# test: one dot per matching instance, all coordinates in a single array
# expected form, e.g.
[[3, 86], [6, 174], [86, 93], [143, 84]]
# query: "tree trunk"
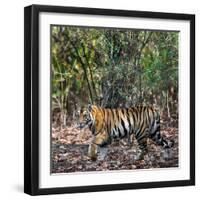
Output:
[[167, 104]]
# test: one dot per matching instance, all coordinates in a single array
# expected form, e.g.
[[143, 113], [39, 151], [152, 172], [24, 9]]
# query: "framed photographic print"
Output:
[[109, 99]]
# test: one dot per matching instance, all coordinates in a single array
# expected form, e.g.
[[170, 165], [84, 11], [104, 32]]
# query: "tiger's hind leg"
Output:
[[142, 141], [156, 136]]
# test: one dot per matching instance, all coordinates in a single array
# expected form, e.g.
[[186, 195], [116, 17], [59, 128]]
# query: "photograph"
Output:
[[114, 99]]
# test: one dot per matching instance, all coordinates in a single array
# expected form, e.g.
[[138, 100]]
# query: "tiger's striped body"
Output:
[[108, 124]]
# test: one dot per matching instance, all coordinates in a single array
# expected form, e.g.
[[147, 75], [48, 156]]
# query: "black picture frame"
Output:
[[31, 98]]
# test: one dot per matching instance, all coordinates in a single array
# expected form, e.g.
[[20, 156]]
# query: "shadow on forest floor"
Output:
[[70, 147]]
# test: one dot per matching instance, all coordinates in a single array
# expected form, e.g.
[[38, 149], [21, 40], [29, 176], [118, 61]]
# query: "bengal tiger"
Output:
[[108, 124]]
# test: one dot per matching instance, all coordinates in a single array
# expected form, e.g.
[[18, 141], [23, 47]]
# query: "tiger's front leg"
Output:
[[99, 140], [92, 151]]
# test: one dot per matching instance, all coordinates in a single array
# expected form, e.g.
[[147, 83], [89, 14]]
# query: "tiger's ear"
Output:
[[89, 107]]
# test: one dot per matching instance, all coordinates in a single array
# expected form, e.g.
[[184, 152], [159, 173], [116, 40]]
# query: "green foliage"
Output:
[[112, 67]]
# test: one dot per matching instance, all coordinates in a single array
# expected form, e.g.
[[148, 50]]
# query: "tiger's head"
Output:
[[85, 117], [92, 117]]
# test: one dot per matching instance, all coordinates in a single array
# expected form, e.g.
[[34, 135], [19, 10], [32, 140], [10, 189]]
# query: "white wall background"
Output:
[[11, 97]]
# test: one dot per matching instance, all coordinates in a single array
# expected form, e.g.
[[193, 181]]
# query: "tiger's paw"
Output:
[[94, 158], [171, 143]]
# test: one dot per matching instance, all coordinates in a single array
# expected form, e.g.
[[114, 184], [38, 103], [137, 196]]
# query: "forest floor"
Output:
[[70, 146]]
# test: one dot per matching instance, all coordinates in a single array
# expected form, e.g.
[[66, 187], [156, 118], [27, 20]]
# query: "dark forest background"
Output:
[[110, 68], [113, 68]]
